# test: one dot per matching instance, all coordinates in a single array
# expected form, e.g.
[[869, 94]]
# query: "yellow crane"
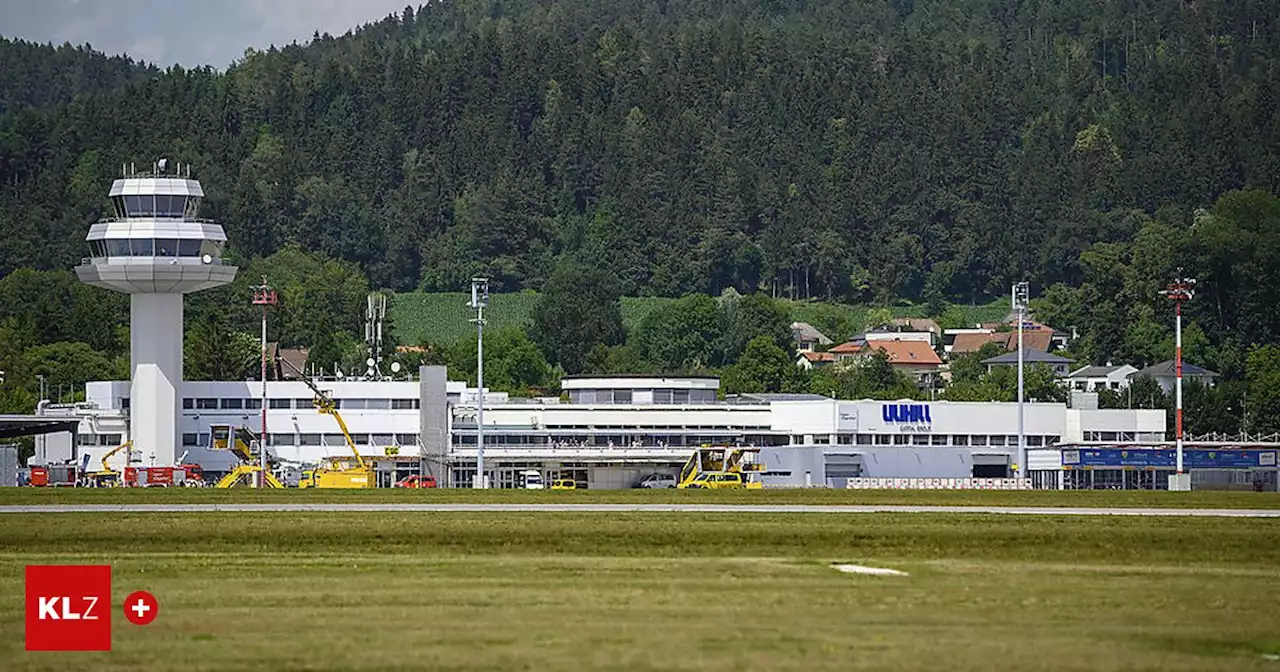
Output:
[[337, 472], [109, 476]]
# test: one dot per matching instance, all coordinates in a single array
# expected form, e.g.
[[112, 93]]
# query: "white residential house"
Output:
[[807, 337], [1095, 378], [808, 359], [1165, 374]]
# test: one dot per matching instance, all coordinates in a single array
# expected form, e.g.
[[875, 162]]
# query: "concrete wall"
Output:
[[433, 428], [882, 462], [624, 476], [8, 465], [56, 448]]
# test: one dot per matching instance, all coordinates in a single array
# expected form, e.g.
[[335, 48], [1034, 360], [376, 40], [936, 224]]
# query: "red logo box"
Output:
[[68, 608]]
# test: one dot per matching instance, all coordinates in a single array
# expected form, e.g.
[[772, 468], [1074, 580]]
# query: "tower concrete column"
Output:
[[156, 374]]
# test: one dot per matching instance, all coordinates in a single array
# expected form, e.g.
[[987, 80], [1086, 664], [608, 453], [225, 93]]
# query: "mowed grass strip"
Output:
[[1079, 498], [659, 592]]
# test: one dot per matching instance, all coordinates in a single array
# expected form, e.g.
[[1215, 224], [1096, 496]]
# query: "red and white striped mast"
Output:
[[1179, 291]]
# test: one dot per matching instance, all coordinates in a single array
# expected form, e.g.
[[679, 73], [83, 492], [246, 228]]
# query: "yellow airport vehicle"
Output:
[[564, 484], [715, 480], [247, 475], [722, 459], [240, 441], [336, 471], [109, 477]]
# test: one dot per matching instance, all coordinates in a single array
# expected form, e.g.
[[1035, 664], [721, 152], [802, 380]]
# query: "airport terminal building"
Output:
[[611, 431]]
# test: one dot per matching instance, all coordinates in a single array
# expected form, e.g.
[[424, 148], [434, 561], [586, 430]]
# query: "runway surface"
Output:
[[632, 508]]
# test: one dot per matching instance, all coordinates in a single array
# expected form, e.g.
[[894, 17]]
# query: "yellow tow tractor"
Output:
[[240, 440], [721, 467], [336, 471]]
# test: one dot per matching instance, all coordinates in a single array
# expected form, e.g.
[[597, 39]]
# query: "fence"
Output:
[[938, 484]]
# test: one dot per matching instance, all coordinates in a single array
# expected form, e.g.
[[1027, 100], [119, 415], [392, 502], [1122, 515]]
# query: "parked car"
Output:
[[531, 479], [716, 480], [658, 481], [564, 484], [427, 481]]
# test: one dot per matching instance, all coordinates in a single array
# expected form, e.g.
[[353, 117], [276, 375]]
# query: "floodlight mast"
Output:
[[1179, 291], [263, 295], [479, 301], [1020, 293]]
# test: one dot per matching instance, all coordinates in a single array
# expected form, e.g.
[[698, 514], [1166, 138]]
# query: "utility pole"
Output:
[[479, 300], [1020, 293], [265, 296], [1179, 291]]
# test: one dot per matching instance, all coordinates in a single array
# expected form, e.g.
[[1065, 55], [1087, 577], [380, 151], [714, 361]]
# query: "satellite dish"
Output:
[[369, 362], [395, 367], [208, 259]]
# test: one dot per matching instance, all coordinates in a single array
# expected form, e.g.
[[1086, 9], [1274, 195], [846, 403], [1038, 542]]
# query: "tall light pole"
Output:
[[1020, 293], [479, 300], [1179, 291], [263, 295]]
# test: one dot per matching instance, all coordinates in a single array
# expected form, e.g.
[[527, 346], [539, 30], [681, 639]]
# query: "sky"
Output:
[[188, 32]]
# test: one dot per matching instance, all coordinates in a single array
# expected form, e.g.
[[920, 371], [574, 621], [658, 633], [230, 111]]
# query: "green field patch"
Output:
[[638, 591], [443, 317]]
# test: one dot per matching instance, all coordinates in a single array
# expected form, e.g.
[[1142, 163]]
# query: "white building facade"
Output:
[[610, 431]]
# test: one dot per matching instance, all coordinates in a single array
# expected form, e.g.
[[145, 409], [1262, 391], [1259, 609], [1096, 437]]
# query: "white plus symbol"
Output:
[[141, 608]]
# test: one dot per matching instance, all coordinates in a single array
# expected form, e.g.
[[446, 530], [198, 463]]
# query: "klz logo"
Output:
[[68, 608]]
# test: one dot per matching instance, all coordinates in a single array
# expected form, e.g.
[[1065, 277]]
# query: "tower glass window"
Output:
[[141, 247], [166, 247]]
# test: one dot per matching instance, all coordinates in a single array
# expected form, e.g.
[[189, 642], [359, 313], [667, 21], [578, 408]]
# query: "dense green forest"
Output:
[[891, 153]]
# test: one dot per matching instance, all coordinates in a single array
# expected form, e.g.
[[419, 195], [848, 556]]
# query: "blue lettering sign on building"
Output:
[[916, 414]]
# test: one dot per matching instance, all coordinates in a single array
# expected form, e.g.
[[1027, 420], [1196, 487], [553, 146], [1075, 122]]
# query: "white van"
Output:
[[532, 480], [658, 481]]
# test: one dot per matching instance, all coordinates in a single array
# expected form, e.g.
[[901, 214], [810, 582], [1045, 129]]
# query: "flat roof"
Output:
[[13, 426], [636, 376]]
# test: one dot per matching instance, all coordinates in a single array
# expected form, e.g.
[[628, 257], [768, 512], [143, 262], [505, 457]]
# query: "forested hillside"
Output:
[[864, 150], [896, 153]]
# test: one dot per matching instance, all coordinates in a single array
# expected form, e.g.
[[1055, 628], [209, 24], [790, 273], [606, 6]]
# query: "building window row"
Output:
[[154, 247], [112, 440], [337, 440], [969, 440], [645, 428], [255, 403], [156, 205], [610, 396], [195, 439]]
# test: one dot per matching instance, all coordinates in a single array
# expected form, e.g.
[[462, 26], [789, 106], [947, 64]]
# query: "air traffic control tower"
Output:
[[155, 249]]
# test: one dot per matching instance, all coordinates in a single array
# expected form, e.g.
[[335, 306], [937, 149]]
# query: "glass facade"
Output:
[[154, 247], [156, 205]]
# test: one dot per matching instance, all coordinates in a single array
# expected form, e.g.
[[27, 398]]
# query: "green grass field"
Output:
[[506, 591], [443, 317], [1085, 498]]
